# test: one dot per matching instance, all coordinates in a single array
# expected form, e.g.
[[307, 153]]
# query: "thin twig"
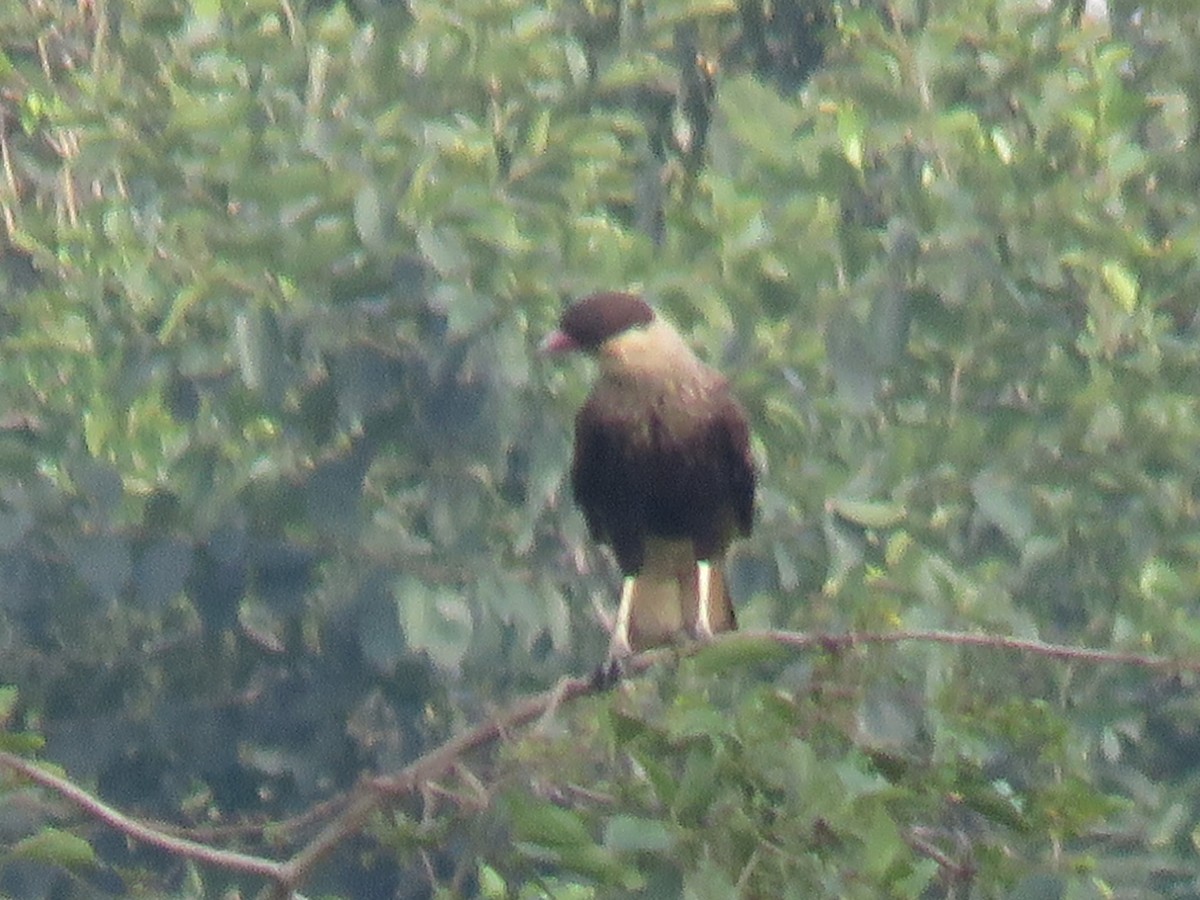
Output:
[[958, 872], [140, 831], [1030, 646]]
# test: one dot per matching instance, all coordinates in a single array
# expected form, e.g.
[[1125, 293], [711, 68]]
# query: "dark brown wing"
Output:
[[739, 463], [721, 475], [607, 482]]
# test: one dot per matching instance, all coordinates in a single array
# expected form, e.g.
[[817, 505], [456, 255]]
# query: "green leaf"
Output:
[[436, 618], [1159, 582], [596, 862], [369, 219], [23, 743], [758, 117], [491, 883], [698, 786], [996, 801], [262, 624], [54, 847], [882, 843], [695, 720], [709, 881], [547, 825], [443, 250], [850, 130], [846, 548], [855, 373], [628, 728], [8, 701], [1121, 283], [632, 834], [692, 10], [466, 310], [734, 651], [1005, 503], [1105, 429], [868, 513]]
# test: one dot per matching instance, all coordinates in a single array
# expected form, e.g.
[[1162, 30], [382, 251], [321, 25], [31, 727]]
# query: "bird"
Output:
[[662, 469]]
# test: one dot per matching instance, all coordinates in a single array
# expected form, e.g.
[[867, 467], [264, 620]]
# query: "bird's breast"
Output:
[[659, 416]]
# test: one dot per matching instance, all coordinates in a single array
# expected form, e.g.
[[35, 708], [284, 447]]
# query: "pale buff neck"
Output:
[[655, 353]]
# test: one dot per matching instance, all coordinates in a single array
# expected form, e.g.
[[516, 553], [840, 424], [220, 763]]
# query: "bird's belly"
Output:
[[668, 557], [684, 508]]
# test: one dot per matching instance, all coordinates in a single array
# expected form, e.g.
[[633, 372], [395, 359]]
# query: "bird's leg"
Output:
[[610, 671], [704, 626], [620, 644]]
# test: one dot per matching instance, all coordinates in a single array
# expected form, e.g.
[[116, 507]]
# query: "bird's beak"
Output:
[[557, 342]]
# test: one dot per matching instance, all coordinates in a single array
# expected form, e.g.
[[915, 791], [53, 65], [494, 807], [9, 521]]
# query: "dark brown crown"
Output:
[[594, 319]]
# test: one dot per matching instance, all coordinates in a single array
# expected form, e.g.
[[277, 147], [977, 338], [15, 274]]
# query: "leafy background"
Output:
[[282, 496]]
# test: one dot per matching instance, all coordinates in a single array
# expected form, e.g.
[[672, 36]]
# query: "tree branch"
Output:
[[372, 793], [139, 831], [1029, 646]]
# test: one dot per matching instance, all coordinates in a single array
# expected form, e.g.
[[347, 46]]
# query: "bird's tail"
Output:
[[674, 595]]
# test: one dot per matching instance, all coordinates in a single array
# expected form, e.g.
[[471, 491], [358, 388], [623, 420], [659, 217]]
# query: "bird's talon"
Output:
[[608, 673]]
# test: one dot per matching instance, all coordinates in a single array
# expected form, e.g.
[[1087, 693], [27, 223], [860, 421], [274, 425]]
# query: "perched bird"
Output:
[[662, 469]]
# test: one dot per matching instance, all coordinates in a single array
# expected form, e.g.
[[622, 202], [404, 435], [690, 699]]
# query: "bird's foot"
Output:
[[608, 673]]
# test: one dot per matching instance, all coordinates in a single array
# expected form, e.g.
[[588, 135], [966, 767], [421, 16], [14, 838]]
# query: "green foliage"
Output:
[[55, 847], [283, 492]]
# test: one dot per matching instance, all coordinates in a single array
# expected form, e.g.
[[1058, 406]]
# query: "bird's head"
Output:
[[597, 322], [624, 335]]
